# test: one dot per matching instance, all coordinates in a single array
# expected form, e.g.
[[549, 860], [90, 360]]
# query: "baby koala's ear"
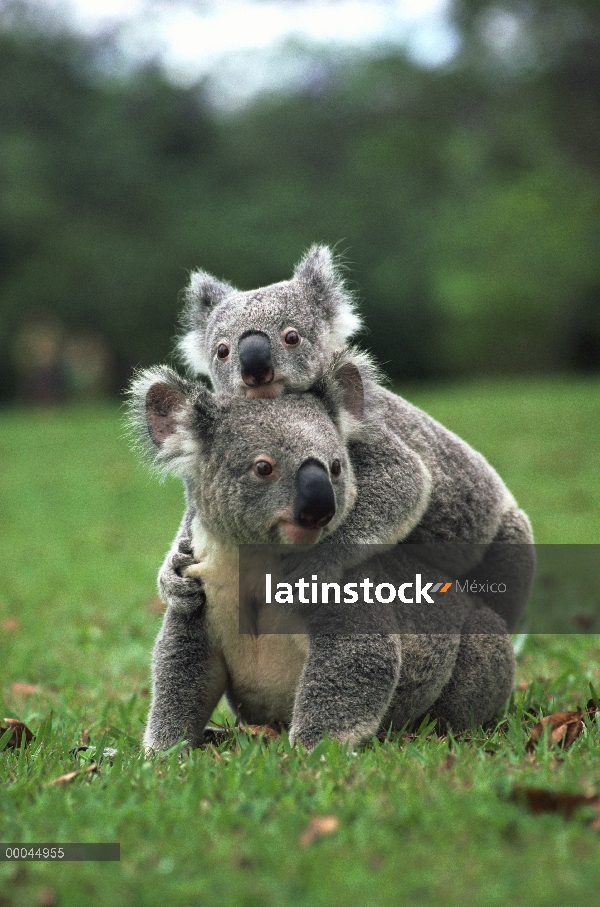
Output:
[[203, 293], [341, 391], [167, 415], [319, 276]]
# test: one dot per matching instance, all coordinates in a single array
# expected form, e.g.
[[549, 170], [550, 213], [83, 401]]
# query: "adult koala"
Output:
[[265, 471], [417, 482]]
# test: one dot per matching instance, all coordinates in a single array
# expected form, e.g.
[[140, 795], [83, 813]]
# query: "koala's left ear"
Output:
[[349, 381], [341, 391], [318, 273], [163, 402], [166, 413], [202, 295]]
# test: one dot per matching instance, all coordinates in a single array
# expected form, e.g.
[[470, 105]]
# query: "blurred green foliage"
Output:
[[466, 199]]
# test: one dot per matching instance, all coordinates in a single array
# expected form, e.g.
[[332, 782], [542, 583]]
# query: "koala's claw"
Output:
[[179, 561]]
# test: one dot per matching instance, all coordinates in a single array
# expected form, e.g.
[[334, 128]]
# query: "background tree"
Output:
[[464, 198]]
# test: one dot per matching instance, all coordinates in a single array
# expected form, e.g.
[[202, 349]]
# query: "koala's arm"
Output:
[[393, 487], [188, 679], [178, 590], [345, 689]]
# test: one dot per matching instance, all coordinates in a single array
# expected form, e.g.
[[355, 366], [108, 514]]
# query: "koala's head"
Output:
[[280, 337], [259, 471]]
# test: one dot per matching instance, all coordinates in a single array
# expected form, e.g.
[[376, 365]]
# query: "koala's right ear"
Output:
[[203, 293], [169, 418], [319, 274]]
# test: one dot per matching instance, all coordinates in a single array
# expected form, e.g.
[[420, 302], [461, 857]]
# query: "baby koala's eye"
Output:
[[222, 351], [263, 468], [336, 468], [291, 338]]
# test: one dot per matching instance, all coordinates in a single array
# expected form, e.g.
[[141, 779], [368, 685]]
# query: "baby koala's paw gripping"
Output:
[[179, 589]]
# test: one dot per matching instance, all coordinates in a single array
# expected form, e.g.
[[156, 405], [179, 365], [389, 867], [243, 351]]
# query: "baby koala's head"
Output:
[[258, 471], [261, 342]]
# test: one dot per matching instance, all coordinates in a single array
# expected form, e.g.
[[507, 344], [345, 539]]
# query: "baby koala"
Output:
[[416, 481], [278, 470]]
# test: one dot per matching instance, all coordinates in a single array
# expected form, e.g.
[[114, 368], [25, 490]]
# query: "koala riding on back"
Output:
[[416, 481]]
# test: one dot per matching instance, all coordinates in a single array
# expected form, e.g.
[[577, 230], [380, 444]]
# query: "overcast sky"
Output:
[[241, 38]]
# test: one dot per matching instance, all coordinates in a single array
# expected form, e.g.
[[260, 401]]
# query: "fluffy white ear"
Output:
[[319, 273], [202, 294], [168, 416]]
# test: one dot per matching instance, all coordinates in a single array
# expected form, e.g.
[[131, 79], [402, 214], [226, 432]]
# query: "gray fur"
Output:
[[315, 302], [179, 591], [416, 481], [348, 687]]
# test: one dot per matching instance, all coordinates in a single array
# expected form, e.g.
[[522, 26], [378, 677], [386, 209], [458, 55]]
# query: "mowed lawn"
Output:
[[414, 820]]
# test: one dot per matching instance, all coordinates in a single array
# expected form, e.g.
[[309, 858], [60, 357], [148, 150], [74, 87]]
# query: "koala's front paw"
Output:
[[177, 588], [307, 741], [309, 738]]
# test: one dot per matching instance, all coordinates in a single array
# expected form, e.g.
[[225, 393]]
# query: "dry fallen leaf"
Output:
[[19, 730], [540, 800], [47, 897], [62, 779], [565, 727], [10, 625], [257, 729], [318, 827], [448, 763], [156, 605], [23, 689], [215, 752]]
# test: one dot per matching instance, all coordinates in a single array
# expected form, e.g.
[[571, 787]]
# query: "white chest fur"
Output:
[[263, 670]]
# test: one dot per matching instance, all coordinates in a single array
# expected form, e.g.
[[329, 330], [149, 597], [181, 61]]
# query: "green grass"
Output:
[[81, 543]]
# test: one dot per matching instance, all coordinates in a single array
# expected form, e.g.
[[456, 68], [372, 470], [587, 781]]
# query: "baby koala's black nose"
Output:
[[255, 359], [314, 506]]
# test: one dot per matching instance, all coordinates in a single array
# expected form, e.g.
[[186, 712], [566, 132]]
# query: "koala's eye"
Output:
[[263, 468], [291, 338], [222, 351], [336, 468]]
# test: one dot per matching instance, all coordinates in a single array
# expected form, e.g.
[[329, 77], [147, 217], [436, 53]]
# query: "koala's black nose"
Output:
[[314, 506], [255, 359]]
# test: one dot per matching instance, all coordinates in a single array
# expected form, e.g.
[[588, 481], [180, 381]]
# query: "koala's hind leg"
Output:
[[428, 660], [483, 675], [509, 559], [345, 689], [188, 679]]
